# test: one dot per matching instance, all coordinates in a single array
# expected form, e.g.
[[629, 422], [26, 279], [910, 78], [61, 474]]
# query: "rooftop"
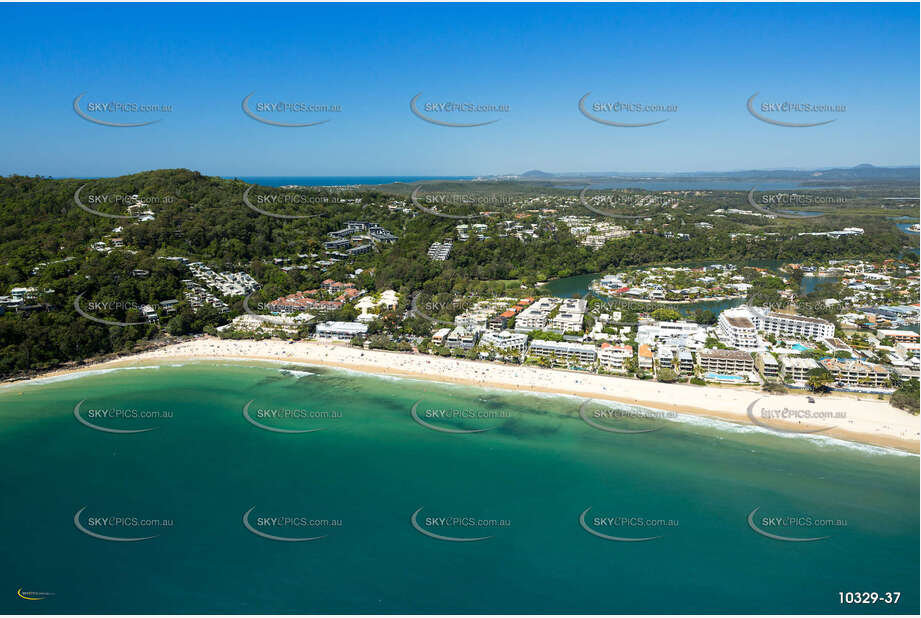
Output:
[[736, 355], [798, 318], [740, 322]]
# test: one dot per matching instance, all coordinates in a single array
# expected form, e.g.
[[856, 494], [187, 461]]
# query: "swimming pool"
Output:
[[724, 378]]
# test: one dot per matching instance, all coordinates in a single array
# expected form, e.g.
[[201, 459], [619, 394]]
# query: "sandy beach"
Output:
[[868, 421]]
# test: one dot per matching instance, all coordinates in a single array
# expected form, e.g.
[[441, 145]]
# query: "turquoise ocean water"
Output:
[[523, 483]]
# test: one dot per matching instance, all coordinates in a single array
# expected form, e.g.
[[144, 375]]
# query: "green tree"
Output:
[[819, 378], [667, 375], [906, 396], [666, 315]]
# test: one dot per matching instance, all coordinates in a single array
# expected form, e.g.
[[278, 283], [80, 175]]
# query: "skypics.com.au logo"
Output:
[[118, 419], [282, 419], [287, 528], [767, 111], [271, 112], [121, 307], [285, 198], [628, 528], [621, 418], [138, 205], [603, 112], [439, 418], [456, 110], [455, 524], [621, 205], [113, 109], [794, 526], [433, 202], [117, 527]]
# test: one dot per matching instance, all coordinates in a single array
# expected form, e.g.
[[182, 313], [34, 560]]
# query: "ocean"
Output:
[[375, 481]]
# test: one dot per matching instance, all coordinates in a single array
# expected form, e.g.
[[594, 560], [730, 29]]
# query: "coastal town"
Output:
[[869, 346], [438, 274]]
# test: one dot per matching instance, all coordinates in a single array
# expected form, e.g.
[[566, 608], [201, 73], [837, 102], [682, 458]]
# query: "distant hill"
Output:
[[862, 174]]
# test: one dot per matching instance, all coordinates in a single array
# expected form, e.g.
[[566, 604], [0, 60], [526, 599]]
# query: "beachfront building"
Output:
[[536, 316], [248, 323], [461, 338], [613, 357], [665, 355], [685, 362], [341, 331], [795, 370], [767, 365], [856, 373], [563, 351], [440, 335], [506, 342], [738, 330], [788, 325], [645, 357], [725, 365]]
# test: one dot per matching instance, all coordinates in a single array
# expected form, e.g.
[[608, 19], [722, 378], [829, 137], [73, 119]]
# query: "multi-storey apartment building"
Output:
[[644, 357], [786, 325], [564, 351], [906, 336], [665, 356], [506, 341], [440, 251], [613, 357], [767, 365], [856, 373], [685, 362], [737, 329], [570, 316], [725, 362], [462, 338], [535, 317], [795, 370], [341, 331]]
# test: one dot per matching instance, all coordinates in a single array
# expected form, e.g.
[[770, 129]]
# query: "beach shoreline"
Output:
[[851, 419]]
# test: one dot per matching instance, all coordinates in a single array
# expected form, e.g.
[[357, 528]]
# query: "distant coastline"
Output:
[[338, 181]]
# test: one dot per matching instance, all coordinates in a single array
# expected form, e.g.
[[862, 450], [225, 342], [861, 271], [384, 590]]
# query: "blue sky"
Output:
[[538, 59]]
